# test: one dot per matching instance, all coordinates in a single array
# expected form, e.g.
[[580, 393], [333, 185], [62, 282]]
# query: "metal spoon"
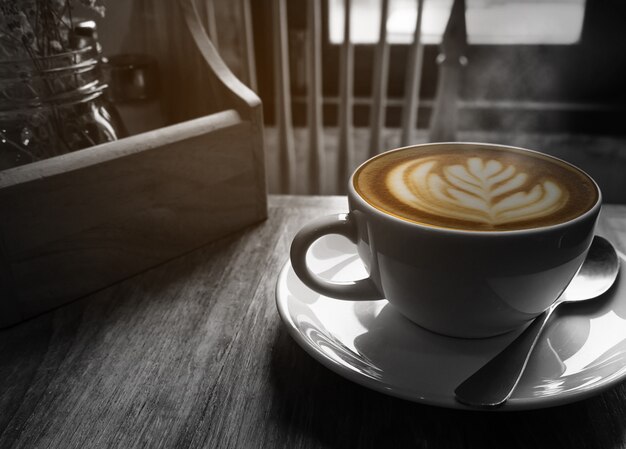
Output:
[[493, 384]]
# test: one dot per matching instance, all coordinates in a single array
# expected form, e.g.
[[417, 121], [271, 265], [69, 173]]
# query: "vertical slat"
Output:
[[212, 22], [248, 43], [314, 94], [346, 80], [282, 88], [413, 80], [379, 83]]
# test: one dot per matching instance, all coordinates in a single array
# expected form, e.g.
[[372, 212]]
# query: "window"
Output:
[[499, 22]]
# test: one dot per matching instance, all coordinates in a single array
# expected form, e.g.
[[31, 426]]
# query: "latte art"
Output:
[[475, 187], [483, 191]]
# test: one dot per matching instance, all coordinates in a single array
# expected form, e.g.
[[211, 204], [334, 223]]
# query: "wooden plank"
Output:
[[413, 80], [316, 171], [379, 83], [282, 88], [79, 222], [244, 99], [193, 354], [108, 152], [160, 29], [346, 92], [66, 216], [232, 90], [248, 44], [163, 32]]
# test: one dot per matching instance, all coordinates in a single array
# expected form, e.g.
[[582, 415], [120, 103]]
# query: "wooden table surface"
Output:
[[194, 354]]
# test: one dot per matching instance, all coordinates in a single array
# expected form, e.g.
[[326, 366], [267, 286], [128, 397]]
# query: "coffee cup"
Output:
[[464, 239]]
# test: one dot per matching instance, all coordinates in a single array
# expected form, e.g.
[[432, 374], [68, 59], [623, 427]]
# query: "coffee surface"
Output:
[[475, 188]]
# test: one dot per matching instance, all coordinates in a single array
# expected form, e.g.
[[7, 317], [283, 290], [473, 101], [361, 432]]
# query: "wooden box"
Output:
[[76, 223]]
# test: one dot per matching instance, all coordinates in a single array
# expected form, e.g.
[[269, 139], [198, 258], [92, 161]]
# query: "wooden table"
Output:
[[194, 354]]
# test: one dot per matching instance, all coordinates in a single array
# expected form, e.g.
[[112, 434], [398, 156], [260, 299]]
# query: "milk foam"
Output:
[[482, 191]]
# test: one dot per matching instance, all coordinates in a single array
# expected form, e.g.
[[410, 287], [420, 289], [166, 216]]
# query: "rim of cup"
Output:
[[440, 229]]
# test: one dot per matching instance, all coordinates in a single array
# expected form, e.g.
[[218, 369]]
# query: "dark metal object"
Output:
[[494, 383], [132, 77], [452, 59]]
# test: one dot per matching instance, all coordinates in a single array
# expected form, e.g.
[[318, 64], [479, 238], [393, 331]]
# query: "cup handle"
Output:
[[342, 224]]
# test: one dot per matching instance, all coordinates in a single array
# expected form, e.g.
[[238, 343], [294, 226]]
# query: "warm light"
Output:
[[488, 21]]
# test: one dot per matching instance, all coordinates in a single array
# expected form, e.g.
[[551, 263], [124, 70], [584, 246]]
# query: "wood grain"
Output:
[[159, 29], [192, 354], [171, 31], [231, 91], [77, 223]]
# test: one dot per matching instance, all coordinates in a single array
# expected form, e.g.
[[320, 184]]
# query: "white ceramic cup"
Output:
[[454, 282]]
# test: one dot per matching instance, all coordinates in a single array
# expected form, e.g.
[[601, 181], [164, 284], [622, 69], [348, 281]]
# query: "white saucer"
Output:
[[582, 352]]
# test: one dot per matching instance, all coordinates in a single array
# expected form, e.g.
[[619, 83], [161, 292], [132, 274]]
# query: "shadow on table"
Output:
[[32, 352], [318, 406]]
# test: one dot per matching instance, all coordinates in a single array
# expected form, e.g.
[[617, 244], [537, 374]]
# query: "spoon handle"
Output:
[[493, 384]]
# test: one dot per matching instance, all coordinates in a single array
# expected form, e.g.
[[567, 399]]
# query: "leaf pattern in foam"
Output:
[[479, 191]]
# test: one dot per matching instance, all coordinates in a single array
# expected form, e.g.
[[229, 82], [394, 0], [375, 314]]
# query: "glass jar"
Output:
[[53, 105]]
